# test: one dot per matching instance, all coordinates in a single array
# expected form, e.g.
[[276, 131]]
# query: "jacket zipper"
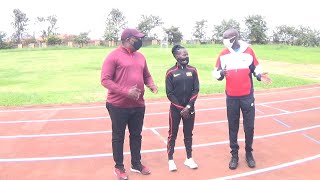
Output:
[[184, 85]]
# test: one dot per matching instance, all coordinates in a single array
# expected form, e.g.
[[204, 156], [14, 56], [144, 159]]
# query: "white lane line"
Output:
[[281, 122], [157, 127], [151, 103], [55, 134], [159, 135], [144, 151], [282, 110], [259, 111], [271, 168], [147, 114], [311, 138], [289, 100], [54, 120]]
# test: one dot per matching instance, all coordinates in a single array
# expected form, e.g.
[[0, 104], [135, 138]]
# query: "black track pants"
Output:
[[247, 107], [188, 124], [121, 117]]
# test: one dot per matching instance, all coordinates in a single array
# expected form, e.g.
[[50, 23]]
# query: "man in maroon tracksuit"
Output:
[[182, 88], [124, 73], [237, 63]]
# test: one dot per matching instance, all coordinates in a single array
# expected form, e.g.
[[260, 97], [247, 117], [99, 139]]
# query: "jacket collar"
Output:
[[126, 50], [180, 66]]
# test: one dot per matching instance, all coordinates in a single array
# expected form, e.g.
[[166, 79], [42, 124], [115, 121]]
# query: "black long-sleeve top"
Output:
[[182, 85]]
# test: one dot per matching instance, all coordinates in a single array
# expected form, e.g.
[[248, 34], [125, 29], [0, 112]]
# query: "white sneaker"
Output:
[[172, 165], [190, 163]]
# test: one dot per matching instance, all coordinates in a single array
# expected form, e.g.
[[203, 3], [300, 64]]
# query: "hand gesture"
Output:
[[224, 71], [265, 79], [185, 113], [134, 93], [153, 88]]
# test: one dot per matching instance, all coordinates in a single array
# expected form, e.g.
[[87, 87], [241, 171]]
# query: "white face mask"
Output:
[[227, 43]]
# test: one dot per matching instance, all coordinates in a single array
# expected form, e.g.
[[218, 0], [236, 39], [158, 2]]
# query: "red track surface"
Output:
[[74, 141]]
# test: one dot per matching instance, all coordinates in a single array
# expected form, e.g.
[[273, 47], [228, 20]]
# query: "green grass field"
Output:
[[63, 75]]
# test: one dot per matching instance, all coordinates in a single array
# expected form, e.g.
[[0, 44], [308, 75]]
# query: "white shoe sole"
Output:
[[195, 167], [117, 176], [133, 170], [191, 167], [173, 169]]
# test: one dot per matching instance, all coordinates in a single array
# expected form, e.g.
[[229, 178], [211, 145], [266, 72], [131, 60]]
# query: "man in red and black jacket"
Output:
[[124, 73], [182, 88], [237, 63]]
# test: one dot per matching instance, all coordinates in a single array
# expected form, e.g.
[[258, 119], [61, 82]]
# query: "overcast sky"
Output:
[[75, 16]]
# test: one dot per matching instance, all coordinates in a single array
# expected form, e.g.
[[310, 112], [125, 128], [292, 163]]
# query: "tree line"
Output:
[[255, 31]]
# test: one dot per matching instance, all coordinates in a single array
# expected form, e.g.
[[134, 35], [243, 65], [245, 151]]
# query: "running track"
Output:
[[74, 141]]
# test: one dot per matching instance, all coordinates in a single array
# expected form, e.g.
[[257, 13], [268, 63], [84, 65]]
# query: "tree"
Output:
[[115, 22], [82, 38], [256, 29], [174, 35], [148, 23], [284, 34], [199, 31], [19, 24], [218, 30], [68, 38], [307, 37], [54, 40], [48, 25], [2, 36], [29, 39], [2, 43]]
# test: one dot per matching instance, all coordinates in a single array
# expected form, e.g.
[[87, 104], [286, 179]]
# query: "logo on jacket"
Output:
[[189, 73], [175, 75]]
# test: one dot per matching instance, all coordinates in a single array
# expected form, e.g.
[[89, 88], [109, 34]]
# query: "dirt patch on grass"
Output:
[[305, 71]]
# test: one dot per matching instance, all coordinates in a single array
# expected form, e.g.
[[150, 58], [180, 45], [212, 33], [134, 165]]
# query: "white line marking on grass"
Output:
[[274, 108], [143, 151], [157, 127], [271, 168], [311, 138], [151, 103], [147, 114]]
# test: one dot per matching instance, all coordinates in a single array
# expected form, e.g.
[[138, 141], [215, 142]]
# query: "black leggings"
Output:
[[247, 107], [120, 118], [188, 124]]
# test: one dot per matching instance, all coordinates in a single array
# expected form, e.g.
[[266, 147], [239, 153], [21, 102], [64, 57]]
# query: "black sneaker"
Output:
[[141, 169], [250, 160], [233, 164]]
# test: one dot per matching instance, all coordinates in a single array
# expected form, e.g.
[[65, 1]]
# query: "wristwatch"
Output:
[[188, 106]]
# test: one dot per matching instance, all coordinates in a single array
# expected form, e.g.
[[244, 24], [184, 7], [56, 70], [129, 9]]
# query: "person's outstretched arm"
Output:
[[257, 70]]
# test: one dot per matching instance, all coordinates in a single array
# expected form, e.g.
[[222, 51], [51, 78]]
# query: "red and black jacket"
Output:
[[182, 85], [241, 65]]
